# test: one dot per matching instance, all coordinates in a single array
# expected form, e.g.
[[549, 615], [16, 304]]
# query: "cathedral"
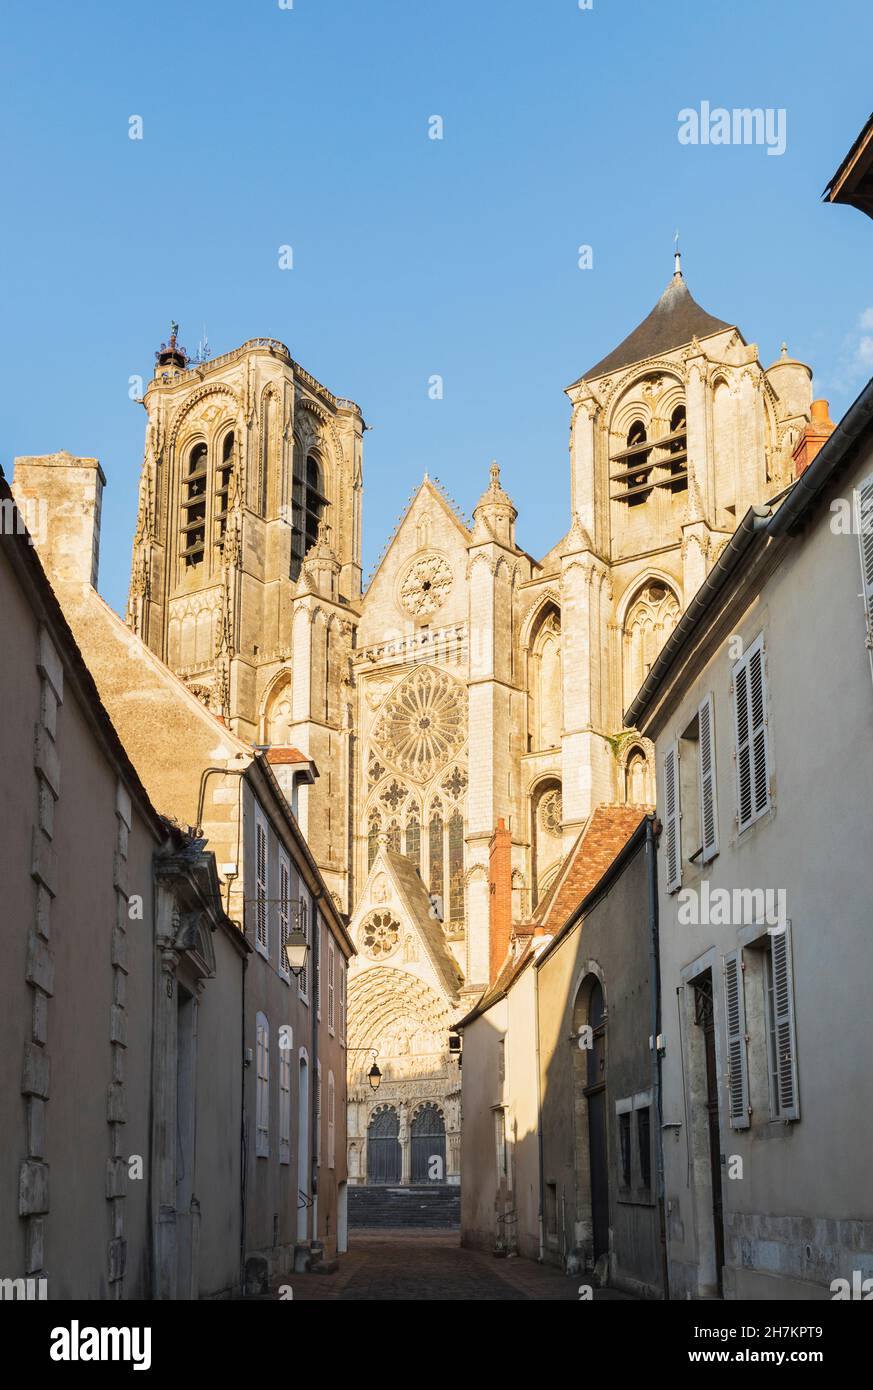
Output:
[[469, 682]]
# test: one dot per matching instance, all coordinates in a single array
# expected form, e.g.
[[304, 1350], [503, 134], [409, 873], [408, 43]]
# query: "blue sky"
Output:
[[307, 127]]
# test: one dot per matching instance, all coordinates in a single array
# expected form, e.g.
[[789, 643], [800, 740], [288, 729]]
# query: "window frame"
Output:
[[286, 1054], [741, 678], [262, 885], [262, 1092]]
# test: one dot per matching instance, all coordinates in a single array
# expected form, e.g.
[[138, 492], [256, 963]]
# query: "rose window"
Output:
[[380, 935], [552, 813], [423, 724], [426, 585]]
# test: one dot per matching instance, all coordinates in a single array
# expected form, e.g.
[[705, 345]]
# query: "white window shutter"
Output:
[[738, 1062], [672, 816], [783, 1018], [708, 808], [752, 735], [864, 516]]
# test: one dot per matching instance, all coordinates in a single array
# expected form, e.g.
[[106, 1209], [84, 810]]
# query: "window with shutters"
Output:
[[284, 912], [864, 523], [752, 751], [707, 788], [341, 1010], [262, 1108], [624, 1148], [318, 1114], [737, 1040], [331, 1121], [262, 941], [781, 1042], [286, 1045], [672, 835], [331, 985]]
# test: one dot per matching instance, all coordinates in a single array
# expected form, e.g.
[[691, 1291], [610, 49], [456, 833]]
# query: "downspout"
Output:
[[153, 1273], [315, 1004], [655, 1013], [243, 1166], [540, 1227]]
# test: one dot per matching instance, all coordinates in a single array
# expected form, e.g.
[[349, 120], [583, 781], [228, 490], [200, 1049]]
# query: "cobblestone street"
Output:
[[430, 1265]]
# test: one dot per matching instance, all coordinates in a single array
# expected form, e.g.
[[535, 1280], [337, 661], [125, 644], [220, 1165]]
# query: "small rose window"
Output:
[[380, 935]]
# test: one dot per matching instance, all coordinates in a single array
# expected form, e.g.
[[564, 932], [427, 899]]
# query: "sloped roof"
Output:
[[416, 900], [674, 321], [608, 829]]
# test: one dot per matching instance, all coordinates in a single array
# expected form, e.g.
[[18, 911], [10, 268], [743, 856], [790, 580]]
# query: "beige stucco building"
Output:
[[469, 681], [761, 708]]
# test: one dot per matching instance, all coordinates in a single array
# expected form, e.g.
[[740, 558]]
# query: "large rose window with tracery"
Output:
[[379, 935], [426, 585], [423, 724]]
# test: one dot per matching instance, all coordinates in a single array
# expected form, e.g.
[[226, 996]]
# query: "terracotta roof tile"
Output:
[[608, 830]]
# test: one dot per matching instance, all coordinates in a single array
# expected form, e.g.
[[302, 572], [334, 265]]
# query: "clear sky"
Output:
[[308, 127]]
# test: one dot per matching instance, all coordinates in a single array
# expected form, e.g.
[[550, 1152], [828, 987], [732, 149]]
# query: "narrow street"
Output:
[[429, 1265]]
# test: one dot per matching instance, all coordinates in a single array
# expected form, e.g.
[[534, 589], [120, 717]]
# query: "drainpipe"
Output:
[[314, 1005], [243, 1174], [655, 1013], [540, 1227]]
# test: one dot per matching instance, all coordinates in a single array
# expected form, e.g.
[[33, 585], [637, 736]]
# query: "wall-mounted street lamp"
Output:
[[374, 1076], [296, 951]]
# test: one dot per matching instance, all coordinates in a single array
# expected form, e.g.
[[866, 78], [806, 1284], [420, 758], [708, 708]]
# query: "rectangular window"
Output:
[[864, 523], [262, 941], [624, 1147], [751, 727], [500, 1139], [342, 999], [285, 1052], [706, 777], [284, 909], [644, 1144], [552, 1210], [781, 1042], [262, 1051], [737, 1040], [331, 984], [672, 812], [331, 1121]]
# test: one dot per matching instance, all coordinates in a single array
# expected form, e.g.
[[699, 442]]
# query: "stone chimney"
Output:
[[61, 497], [813, 437], [500, 900]]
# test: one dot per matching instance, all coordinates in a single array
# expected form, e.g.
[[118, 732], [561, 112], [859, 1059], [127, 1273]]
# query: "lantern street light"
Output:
[[296, 950], [374, 1076]]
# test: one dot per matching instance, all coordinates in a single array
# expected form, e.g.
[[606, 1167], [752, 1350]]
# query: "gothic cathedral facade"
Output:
[[469, 681]]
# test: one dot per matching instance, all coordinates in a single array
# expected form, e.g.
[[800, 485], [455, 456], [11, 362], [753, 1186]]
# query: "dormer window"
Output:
[[222, 488], [194, 507]]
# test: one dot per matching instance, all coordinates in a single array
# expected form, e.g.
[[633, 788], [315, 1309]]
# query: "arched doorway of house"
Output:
[[383, 1147], [428, 1133]]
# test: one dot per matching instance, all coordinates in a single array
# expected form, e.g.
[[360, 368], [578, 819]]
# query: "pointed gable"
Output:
[[606, 832], [674, 321]]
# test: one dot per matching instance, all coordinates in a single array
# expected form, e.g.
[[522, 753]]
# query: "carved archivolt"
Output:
[[219, 388]]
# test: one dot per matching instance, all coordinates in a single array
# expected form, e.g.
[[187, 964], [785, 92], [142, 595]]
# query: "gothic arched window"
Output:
[[194, 506], [547, 817], [436, 852], [266, 447], [413, 839], [677, 448], [394, 837], [308, 504], [456, 866], [631, 467], [544, 667], [373, 831], [637, 780], [222, 487], [649, 621]]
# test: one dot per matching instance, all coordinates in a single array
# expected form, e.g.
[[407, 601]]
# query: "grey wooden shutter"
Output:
[[737, 1057], [783, 1022], [708, 808], [261, 876], [672, 813], [864, 513]]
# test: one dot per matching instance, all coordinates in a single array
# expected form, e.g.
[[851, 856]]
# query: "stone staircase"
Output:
[[437, 1207]]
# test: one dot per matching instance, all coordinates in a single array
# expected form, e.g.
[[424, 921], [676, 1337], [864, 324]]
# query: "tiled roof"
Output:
[[286, 755], [607, 831]]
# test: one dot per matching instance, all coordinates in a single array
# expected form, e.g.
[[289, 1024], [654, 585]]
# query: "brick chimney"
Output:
[[813, 437], [500, 900], [60, 497]]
